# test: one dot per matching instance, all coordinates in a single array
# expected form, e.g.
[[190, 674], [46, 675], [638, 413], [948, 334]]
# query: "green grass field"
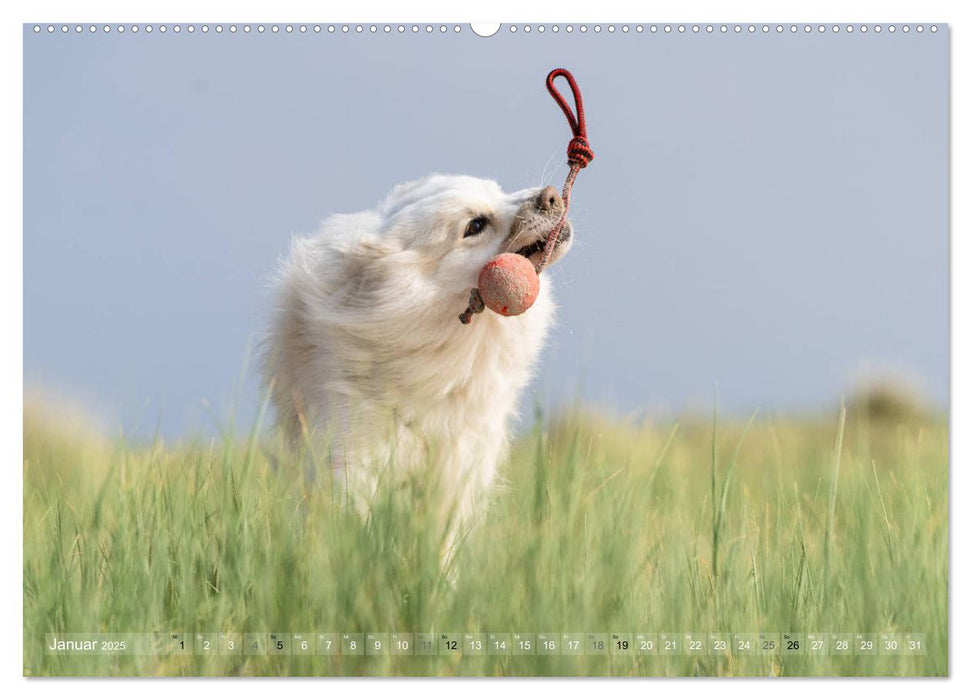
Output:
[[784, 525]]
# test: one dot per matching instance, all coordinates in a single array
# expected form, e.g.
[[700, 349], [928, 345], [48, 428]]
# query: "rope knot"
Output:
[[579, 152]]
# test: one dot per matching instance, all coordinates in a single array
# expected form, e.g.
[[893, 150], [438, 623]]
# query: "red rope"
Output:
[[578, 153]]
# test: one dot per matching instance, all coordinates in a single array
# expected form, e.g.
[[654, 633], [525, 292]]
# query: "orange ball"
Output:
[[508, 284]]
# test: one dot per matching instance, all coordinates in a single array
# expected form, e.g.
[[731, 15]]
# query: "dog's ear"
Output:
[[374, 247], [365, 272], [359, 237], [402, 195]]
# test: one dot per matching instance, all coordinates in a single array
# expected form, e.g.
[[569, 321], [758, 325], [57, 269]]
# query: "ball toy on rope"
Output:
[[509, 283]]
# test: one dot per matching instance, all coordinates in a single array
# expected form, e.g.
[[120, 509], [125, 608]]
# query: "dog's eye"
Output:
[[476, 226]]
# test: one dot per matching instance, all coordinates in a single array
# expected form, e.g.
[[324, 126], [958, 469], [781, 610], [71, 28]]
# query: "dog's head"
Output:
[[461, 219], [450, 226], [418, 254]]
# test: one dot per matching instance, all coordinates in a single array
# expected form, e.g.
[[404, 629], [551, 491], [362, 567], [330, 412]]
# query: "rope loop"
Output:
[[579, 151]]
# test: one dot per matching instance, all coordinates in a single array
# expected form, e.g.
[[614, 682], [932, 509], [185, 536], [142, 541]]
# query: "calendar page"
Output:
[[547, 349]]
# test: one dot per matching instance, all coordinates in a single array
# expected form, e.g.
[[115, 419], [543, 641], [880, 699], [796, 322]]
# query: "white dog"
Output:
[[367, 351]]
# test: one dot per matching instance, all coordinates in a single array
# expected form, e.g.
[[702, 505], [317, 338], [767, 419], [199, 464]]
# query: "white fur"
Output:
[[366, 347]]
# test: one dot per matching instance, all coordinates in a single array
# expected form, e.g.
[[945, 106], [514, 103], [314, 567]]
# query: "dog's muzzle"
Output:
[[534, 222]]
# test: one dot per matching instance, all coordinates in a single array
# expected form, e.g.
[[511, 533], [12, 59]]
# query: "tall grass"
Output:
[[600, 526]]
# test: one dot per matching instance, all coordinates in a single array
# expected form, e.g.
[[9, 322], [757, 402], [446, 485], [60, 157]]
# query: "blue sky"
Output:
[[766, 213]]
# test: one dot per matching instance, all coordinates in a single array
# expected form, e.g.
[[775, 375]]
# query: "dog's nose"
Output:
[[549, 200]]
